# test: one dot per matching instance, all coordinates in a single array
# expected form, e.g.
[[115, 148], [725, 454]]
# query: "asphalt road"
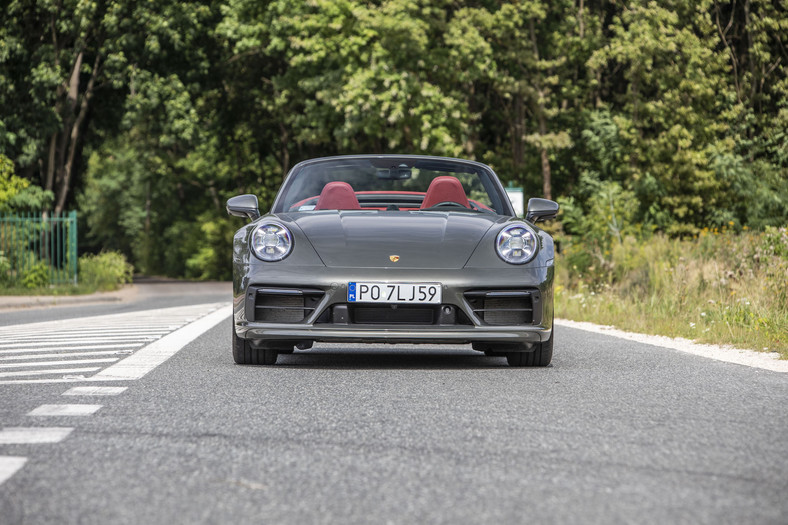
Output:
[[612, 432]]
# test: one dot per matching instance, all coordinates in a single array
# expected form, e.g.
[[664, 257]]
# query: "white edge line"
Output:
[[156, 353], [765, 360]]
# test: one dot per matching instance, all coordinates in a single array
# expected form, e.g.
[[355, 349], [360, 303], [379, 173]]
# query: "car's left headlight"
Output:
[[517, 244], [272, 242]]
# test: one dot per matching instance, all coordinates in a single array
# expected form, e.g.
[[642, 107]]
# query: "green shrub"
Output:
[[105, 271], [37, 276], [5, 270]]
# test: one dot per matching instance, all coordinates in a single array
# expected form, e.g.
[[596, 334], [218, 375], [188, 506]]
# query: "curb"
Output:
[[17, 302]]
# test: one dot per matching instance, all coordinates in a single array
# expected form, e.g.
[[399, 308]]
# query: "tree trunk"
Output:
[[50, 180], [547, 189], [73, 136], [285, 137], [518, 134]]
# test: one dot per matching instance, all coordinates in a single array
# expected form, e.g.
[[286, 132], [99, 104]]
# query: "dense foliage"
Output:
[[642, 116]]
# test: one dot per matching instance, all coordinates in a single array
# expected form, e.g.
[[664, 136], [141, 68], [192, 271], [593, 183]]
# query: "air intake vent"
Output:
[[387, 315], [503, 307], [284, 305]]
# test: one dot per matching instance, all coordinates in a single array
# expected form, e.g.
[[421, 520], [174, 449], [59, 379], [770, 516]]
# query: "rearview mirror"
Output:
[[401, 172], [243, 206], [541, 210]]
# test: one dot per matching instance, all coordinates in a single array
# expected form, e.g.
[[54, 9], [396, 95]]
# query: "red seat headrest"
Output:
[[337, 196], [443, 189]]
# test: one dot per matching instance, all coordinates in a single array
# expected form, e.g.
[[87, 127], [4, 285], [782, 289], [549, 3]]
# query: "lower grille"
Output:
[[503, 307], [285, 305], [388, 315]]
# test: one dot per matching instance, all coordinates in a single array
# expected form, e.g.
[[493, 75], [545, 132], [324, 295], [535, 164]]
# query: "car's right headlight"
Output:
[[272, 242], [517, 244]]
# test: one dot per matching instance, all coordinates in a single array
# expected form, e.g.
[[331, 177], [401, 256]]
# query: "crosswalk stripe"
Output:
[[146, 359], [59, 363], [9, 465], [89, 327], [39, 352], [85, 347], [69, 342], [49, 372], [95, 391], [28, 357], [143, 325], [33, 435], [89, 332], [64, 410], [87, 335]]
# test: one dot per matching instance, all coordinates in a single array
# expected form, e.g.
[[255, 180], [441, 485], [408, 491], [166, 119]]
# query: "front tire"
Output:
[[541, 355], [245, 354]]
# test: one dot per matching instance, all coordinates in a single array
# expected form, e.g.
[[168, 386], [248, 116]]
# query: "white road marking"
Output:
[[95, 391], [27, 357], [48, 372], [68, 342], [9, 465], [98, 335], [65, 410], [146, 327], [86, 347], [68, 378], [39, 352], [765, 360], [33, 435], [148, 358], [56, 327], [58, 363]]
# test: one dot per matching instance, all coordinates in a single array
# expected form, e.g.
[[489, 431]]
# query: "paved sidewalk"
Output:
[[15, 302], [142, 288]]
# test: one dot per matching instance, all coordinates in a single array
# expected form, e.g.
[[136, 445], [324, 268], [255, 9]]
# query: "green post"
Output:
[[72, 217]]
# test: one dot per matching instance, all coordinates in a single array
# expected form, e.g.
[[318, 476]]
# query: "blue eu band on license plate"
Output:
[[395, 293]]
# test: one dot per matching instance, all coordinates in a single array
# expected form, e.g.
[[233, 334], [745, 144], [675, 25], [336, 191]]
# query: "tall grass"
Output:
[[719, 287]]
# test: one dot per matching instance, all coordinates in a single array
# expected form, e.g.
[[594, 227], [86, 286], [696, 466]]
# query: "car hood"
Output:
[[371, 239]]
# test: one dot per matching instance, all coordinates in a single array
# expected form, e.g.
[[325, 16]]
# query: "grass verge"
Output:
[[720, 287]]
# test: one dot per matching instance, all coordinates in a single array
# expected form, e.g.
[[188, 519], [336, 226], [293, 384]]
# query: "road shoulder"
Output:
[[764, 360]]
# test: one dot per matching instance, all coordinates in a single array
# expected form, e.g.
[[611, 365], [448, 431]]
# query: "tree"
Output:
[[665, 76], [524, 42], [64, 60]]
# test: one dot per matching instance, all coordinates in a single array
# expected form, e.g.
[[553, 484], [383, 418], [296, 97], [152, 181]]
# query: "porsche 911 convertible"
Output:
[[392, 249]]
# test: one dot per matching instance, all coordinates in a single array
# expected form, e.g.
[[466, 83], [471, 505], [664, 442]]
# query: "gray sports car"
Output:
[[392, 249]]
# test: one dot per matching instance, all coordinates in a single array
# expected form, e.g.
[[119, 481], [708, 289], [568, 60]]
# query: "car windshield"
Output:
[[391, 183]]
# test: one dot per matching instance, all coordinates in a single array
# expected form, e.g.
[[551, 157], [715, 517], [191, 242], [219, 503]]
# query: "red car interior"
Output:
[[340, 196], [445, 189], [337, 196]]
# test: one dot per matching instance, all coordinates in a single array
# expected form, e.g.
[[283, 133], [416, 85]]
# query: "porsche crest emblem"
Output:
[[394, 258]]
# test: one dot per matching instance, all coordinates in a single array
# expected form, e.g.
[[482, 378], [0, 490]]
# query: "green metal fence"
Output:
[[28, 240]]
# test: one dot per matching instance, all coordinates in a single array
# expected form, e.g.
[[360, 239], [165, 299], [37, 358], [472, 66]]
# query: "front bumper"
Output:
[[332, 282]]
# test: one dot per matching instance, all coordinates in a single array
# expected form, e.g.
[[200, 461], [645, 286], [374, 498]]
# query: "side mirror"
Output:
[[243, 206], [541, 210]]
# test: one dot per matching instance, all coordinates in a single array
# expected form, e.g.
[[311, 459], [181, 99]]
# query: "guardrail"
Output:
[[28, 240]]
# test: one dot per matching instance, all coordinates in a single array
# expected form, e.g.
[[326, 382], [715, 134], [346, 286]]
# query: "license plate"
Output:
[[399, 293]]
